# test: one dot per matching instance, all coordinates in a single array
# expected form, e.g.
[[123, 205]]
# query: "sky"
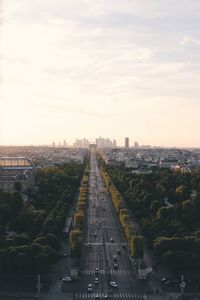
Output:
[[113, 68]]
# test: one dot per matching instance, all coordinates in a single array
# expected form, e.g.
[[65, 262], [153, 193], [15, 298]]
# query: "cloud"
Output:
[[74, 110], [187, 40], [94, 60]]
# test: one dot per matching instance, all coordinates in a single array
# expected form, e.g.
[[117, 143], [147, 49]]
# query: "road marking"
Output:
[[107, 272], [115, 295]]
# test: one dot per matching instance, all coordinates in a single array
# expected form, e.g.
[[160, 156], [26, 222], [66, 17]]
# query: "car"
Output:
[[174, 282], [89, 287], [163, 280], [88, 245], [96, 270], [115, 266], [95, 234], [96, 281], [111, 239], [67, 279], [114, 257], [97, 296], [113, 284], [105, 296], [118, 251], [65, 254]]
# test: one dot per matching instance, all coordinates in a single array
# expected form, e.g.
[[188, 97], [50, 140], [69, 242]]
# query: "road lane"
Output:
[[104, 232]]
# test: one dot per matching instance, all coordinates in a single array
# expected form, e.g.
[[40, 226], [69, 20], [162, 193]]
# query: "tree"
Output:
[[175, 259], [148, 199], [182, 192], [136, 246], [155, 205], [18, 186], [76, 239], [79, 219]]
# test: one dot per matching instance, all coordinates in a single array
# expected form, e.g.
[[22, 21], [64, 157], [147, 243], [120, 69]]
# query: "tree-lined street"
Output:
[[106, 269]]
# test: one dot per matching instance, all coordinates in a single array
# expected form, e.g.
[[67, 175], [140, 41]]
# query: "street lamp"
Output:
[[182, 285], [38, 286]]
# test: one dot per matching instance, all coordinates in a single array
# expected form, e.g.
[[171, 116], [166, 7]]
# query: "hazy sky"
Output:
[[115, 68]]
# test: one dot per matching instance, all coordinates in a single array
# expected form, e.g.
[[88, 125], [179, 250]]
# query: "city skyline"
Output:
[[115, 144], [110, 68]]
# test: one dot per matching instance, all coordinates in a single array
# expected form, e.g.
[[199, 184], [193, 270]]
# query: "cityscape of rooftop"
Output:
[[99, 149], [100, 142], [108, 143]]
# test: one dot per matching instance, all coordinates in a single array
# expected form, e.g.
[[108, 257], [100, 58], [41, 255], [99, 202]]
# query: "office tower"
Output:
[[136, 145], [126, 142]]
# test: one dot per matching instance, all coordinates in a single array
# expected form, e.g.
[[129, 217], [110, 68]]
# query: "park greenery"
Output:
[[31, 231], [166, 205]]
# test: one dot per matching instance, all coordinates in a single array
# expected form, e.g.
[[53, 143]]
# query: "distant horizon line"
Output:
[[144, 146]]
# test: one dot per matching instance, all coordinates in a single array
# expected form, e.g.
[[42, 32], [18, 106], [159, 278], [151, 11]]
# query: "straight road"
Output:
[[105, 256]]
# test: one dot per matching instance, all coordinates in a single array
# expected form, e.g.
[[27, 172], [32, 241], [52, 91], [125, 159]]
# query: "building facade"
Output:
[[126, 142], [16, 174]]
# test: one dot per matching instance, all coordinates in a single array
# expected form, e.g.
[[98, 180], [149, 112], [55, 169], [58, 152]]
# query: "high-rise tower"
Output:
[[126, 142]]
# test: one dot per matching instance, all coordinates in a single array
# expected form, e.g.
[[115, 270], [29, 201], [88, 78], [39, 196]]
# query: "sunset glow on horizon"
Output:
[[83, 69]]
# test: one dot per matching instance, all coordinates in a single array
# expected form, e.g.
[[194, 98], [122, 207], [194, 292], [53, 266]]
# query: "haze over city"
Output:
[[74, 69]]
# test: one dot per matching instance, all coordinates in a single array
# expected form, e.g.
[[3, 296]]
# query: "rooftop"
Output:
[[15, 162]]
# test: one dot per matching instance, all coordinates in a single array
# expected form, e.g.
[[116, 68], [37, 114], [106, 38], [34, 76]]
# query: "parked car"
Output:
[[67, 279], [114, 284], [163, 280], [89, 287], [114, 257]]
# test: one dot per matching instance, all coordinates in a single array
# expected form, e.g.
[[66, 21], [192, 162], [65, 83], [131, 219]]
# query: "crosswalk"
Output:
[[100, 243], [109, 272], [114, 296]]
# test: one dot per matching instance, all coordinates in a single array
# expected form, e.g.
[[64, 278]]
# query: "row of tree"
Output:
[[31, 232], [167, 207], [76, 234], [135, 241]]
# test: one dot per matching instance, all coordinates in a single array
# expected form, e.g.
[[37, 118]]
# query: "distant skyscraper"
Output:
[[136, 145], [126, 142], [53, 144], [104, 143], [83, 143]]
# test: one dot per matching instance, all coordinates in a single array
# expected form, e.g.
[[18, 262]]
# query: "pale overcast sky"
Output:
[[73, 69]]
